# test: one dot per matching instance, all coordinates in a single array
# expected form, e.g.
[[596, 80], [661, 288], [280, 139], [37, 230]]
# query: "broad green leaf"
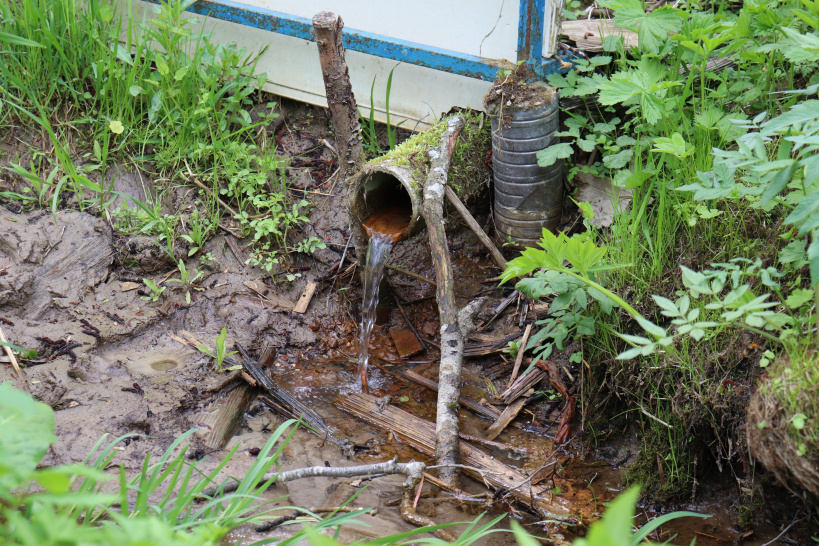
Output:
[[614, 528], [618, 160], [652, 28], [807, 210], [550, 155], [668, 306], [798, 298], [26, 431], [813, 259]]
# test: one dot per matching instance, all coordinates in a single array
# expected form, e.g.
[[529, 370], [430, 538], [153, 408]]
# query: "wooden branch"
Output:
[[413, 471], [519, 358], [476, 228], [452, 339], [340, 98], [486, 411], [411, 274]]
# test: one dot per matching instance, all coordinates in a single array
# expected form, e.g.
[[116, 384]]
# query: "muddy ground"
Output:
[[111, 362]]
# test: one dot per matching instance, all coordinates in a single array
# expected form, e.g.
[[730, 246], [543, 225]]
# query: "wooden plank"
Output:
[[230, 416], [306, 296], [511, 411], [588, 34], [420, 434]]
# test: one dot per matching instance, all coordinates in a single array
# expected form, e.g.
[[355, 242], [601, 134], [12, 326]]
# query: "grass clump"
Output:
[[158, 94]]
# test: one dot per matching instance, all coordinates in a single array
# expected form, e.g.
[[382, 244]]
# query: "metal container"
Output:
[[528, 197]]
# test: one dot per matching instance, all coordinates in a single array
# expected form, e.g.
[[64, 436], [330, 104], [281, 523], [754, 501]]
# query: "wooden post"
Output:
[[340, 98]]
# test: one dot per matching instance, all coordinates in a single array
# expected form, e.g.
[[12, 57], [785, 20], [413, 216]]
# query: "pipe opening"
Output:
[[385, 205]]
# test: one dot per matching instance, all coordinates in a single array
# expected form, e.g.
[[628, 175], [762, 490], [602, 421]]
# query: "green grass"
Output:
[[92, 73]]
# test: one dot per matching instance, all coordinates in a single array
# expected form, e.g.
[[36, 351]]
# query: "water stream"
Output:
[[377, 254]]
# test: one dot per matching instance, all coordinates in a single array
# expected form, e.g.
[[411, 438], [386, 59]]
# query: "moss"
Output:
[[657, 452], [469, 173]]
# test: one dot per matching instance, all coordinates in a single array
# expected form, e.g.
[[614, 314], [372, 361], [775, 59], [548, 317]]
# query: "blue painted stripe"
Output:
[[530, 34], [377, 44]]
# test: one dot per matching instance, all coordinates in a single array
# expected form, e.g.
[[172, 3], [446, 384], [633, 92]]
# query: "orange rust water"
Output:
[[390, 220]]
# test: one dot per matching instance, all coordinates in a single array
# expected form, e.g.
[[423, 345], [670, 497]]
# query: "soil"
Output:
[[111, 362]]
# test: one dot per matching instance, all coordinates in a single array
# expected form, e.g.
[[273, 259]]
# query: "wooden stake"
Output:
[[476, 228], [505, 418], [340, 99], [230, 416]]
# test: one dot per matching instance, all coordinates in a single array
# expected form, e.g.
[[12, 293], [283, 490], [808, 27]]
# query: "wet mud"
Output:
[[111, 362]]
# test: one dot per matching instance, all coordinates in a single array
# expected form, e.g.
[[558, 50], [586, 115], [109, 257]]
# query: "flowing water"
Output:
[[385, 227], [377, 254]]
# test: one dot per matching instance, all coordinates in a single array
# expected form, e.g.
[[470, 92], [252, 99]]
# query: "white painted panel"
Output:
[[484, 28], [419, 95]]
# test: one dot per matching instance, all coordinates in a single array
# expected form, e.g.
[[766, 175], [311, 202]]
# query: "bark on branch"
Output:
[[412, 470], [340, 99], [454, 325]]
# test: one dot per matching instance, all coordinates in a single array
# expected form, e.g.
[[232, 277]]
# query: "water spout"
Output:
[[377, 254]]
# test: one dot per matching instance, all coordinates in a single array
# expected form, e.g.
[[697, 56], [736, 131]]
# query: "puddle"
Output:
[[157, 363]]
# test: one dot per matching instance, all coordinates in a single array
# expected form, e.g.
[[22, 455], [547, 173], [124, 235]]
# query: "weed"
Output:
[[221, 351], [156, 290], [369, 134], [198, 233], [187, 279]]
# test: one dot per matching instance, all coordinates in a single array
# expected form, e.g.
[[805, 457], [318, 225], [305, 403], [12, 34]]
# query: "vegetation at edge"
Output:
[[710, 275]]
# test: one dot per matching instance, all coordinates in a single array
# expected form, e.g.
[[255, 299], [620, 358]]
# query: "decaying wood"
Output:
[[511, 411], [480, 409], [588, 34], [519, 357], [230, 416], [420, 434], [306, 296], [522, 385], [476, 228], [282, 401], [14, 362], [270, 297], [501, 308], [340, 99], [230, 240]]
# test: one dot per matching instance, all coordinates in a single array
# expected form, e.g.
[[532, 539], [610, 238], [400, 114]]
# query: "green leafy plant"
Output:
[[78, 503], [156, 290], [221, 351], [197, 234], [187, 279]]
